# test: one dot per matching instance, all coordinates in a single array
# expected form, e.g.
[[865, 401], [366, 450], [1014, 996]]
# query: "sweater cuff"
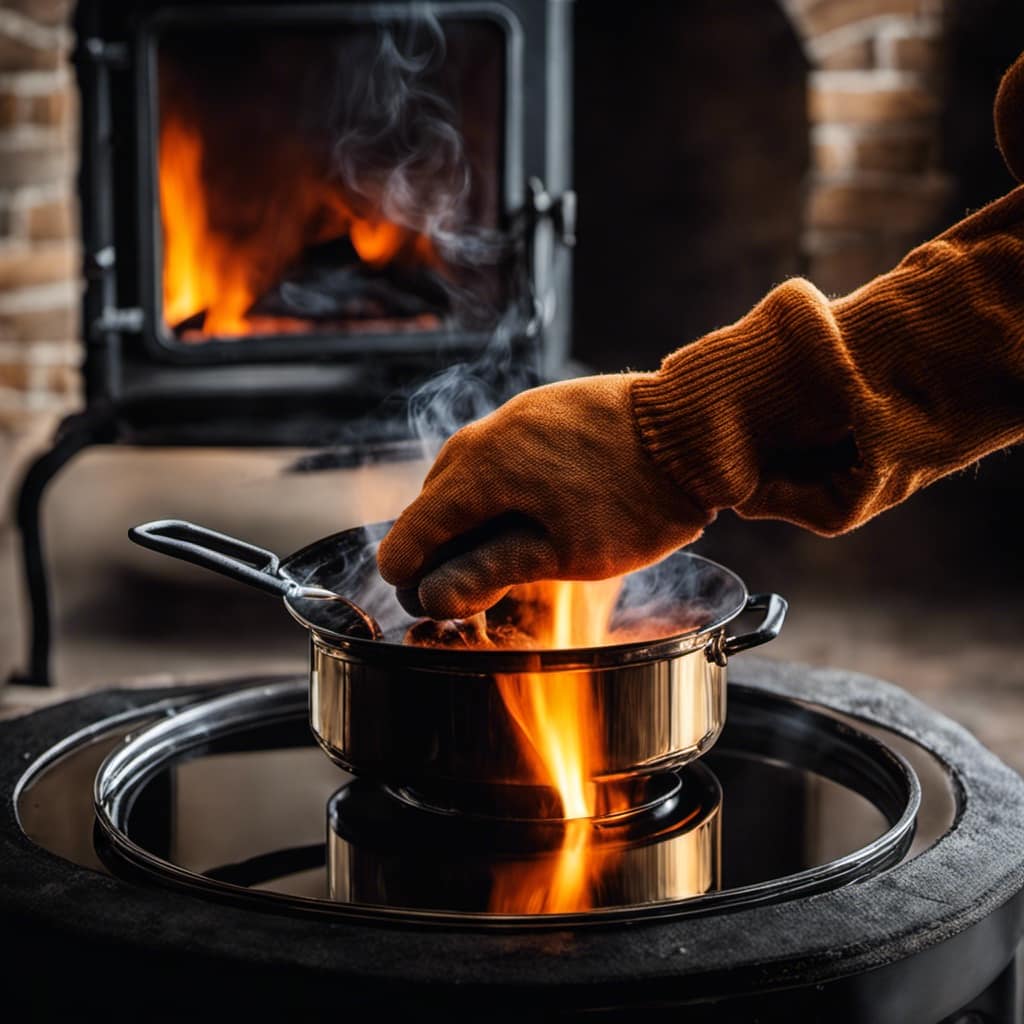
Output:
[[718, 410]]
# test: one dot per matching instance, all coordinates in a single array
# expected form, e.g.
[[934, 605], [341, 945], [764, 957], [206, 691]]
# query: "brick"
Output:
[[855, 56], [897, 155], [902, 103], [25, 265], [14, 375], [34, 163], [61, 380], [906, 207], [14, 421], [46, 12], [51, 220], [850, 262], [50, 109], [845, 149], [57, 324], [19, 418], [841, 269], [828, 15], [828, 157], [10, 109], [18, 55], [912, 53]]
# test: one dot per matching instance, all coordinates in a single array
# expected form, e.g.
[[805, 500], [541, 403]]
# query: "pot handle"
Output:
[[240, 561], [211, 550], [774, 607]]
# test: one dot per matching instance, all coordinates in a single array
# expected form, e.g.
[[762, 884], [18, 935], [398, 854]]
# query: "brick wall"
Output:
[[874, 100], [39, 259]]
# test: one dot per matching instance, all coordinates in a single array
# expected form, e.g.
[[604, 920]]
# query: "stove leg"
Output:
[[74, 434]]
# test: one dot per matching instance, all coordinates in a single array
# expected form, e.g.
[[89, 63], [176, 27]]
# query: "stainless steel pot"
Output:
[[433, 719]]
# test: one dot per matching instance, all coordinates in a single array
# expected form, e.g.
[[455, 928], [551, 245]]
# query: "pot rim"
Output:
[[388, 654]]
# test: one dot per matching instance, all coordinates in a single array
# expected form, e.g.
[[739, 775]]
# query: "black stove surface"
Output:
[[911, 941]]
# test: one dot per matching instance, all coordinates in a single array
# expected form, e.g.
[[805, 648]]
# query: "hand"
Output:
[[553, 485]]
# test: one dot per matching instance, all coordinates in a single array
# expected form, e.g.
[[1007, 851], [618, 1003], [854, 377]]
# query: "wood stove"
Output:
[[293, 213]]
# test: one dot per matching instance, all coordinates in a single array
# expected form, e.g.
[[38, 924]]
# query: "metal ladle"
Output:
[[240, 561]]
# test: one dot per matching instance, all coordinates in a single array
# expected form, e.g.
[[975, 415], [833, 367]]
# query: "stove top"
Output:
[[231, 796], [838, 834]]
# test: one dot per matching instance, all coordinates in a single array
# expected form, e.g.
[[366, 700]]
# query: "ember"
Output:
[[528, 619]]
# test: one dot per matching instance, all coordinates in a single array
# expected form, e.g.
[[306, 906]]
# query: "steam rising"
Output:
[[467, 391], [398, 149]]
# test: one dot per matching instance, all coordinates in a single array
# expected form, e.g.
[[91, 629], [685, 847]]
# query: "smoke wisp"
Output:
[[398, 149]]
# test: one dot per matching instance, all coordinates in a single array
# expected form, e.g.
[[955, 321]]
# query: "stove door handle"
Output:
[[217, 551], [774, 606]]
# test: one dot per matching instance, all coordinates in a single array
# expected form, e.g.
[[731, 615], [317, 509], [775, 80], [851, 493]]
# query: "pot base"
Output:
[[612, 800], [666, 848]]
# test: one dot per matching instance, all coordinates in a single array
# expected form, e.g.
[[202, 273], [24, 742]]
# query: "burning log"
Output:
[[285, 244], [332, 284]]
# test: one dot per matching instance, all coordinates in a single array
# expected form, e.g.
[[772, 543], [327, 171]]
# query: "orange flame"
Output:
[[224, 247], [377, 242], [562, 726]]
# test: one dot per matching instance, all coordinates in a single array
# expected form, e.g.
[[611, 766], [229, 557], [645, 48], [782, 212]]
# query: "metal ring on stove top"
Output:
[[839, 752]]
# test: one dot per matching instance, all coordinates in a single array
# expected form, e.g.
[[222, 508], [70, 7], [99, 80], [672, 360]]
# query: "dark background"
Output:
[[691, 156], [691, 149]]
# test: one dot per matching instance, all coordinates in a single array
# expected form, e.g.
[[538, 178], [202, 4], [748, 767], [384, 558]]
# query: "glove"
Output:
[[556, 484]]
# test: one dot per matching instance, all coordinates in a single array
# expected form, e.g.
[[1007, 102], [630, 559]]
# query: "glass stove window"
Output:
[[330, 178]]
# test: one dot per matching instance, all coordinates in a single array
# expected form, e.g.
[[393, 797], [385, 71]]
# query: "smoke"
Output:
[[677, 593], [398, 149], [399, 152], [468, 390]]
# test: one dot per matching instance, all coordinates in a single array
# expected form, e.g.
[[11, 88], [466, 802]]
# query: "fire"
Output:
[[377, 242], [228, 238], [562, 727]]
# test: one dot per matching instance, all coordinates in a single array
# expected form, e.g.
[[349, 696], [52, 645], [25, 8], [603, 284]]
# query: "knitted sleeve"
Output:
[[825, 413]]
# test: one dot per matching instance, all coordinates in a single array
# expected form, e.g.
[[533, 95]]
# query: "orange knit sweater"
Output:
[[825, 413]]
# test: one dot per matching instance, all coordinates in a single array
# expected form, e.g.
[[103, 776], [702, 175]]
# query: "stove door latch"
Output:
[[114, 320], [105, 51], [559, 210], [549, 221]]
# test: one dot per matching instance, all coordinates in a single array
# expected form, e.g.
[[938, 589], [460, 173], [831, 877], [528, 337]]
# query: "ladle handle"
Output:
[[774, 606], [217, 551]]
